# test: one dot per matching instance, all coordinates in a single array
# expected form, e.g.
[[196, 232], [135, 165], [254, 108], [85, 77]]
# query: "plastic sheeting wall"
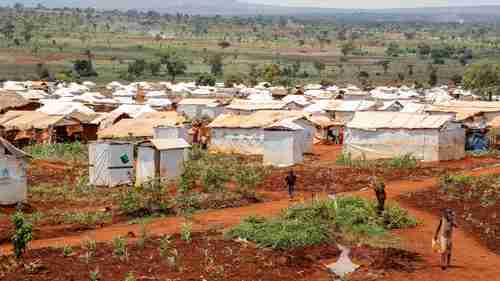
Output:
[[243, 141], [106, 166], [191, 111], [145, 169], [171, 133], [172, 163], [426, 145], [13, 182], [307, 135], [282, 148]]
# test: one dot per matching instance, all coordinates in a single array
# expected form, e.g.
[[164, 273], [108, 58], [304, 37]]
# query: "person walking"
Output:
[[380, 194], [290, 181], [442, 240]]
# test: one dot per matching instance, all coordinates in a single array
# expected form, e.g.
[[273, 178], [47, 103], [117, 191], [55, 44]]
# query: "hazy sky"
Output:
[[375, 4]]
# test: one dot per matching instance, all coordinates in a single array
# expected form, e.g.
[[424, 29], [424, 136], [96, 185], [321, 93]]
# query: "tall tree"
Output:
[[216, 63], [483, 78]]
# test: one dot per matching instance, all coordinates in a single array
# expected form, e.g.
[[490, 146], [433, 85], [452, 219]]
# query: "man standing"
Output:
[[290, 181], [379, 188]]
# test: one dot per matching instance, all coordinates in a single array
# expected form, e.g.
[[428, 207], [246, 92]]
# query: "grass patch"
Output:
[[406, 161], [348, 218], [485, 189], [74, 151]]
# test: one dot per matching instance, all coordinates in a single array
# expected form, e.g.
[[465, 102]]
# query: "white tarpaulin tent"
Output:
[[283, 144], [379, 135]]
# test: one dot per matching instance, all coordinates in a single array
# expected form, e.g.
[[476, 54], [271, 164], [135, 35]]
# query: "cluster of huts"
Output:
[[142, 131]]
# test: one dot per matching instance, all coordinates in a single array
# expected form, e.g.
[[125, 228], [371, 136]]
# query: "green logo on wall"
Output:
[[124, 158]]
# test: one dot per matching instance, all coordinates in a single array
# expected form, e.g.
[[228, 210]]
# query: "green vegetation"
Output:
[[483, 189], [186, 229], [483, 78], [74, 151], [347, 218], [406, 161], [119, 246], [23, 234]]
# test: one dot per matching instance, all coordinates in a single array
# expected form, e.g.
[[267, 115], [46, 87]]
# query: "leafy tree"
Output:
[[393, 50], [175, 66], [401, 76], [8, 30], [137, 67], [410, 69], [319, 66], [296, 68], [42, 71], [154, 67], [347, 48], [456, 79], [385, 65], [233, 79], [253, 74], [216, 64], [84, 68], [23, 234], [433, 77], [423, 49], [363, 77], [206, 79], [271, 73], [224, 44], [484, 78]]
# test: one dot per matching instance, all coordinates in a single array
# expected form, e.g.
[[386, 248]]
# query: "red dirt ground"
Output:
[[478, 221], [471, 259]]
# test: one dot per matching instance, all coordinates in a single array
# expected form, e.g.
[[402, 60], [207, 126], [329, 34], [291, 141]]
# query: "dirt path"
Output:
[[471, 259]]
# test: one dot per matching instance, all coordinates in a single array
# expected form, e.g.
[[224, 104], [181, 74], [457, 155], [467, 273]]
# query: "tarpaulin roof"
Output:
[[16, 152], [140, 127], [258, 119], [372, 120], [200, 102], [286, 125], [355, 105], [25, 120], [12, 100], [166, 144], [249, 105]]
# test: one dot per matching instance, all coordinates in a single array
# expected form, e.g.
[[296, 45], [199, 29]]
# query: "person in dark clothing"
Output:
[[290, 181], [379, 188], [442, 240]]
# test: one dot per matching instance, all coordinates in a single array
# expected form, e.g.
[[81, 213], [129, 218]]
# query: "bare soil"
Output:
[[207, 257], [481, 222]]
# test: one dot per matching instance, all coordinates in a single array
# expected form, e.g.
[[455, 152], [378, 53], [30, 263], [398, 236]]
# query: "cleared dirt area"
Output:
[[207, 257], [478, 220]]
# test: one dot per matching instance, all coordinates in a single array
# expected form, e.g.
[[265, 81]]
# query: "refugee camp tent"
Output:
[[246, 107], [379, 135], [161, 159], [344, 112], [171, 132], [282, 144], [23, 127], [138, 128], [197, 108], [111, 163], [14, 101], [13, 181], [245, 133], [133, 110], [323, 125]]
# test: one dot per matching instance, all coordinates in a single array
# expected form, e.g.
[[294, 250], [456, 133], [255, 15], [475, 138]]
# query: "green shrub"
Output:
[[23, 234], [214, 178], [406, 161], [186, 234], [67, 251], [119, 246], [310, 224], [87, 218]]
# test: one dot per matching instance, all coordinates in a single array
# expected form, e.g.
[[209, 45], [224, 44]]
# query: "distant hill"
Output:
[[239, 7]]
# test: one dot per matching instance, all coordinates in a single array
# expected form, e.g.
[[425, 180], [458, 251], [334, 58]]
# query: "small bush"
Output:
[[75, 151], [186, 234], [23, 234], [67, 251], [406, 161], [130, 277], [94, 275], [119, 246], [214, 179]]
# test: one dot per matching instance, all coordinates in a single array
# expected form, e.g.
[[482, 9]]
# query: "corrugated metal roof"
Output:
[[166, 144], [323, 121], [372, 120], [16, 152], [259, 119], [12, 100], [249, 105]]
